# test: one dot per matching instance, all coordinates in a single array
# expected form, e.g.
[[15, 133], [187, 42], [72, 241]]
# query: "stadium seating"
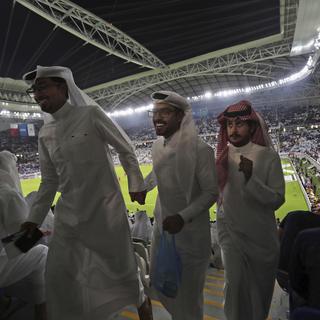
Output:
[[143, 253]]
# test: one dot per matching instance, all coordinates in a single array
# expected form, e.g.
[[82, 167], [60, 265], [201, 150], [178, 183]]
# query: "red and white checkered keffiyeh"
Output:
[[243, 111]]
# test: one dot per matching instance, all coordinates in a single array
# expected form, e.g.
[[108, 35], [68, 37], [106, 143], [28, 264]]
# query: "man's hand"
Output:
[[245, 166], [173, 224], [140, 196], [29, 227]]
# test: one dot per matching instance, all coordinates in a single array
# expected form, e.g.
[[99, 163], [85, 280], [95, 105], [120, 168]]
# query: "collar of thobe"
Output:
[[172, 140], [166, 141], [242, 149], [62, 112]]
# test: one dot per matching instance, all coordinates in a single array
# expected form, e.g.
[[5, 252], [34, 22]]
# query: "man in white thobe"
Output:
[[91, 269], [184, 171], [252, 187], [21, 275]]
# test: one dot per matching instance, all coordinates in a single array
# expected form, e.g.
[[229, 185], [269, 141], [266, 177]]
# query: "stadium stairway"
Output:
[[213, 302]]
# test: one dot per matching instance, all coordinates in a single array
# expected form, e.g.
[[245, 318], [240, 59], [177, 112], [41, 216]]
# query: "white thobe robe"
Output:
[[91, 268], [248, 232], [24, 274], [193, 241], [47, 224]]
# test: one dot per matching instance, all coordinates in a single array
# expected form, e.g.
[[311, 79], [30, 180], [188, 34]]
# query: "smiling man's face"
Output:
[[49, 94], [166, 119]]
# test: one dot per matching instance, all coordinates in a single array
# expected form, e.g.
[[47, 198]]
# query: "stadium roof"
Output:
[[120, 51]]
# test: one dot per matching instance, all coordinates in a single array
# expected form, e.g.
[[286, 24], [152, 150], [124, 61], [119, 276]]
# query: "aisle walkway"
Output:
[[213, 302], [213, 299]]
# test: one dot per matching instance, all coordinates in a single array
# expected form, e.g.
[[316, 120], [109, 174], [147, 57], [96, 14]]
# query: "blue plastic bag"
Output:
[[168, 267]]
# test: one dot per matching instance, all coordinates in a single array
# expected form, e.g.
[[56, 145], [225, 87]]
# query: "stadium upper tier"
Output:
[[205, 50]]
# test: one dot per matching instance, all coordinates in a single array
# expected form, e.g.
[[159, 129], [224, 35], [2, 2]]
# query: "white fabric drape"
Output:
[[25, 269]]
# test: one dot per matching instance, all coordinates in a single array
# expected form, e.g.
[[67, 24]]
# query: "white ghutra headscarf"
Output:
[[9, 176], [76, 96]]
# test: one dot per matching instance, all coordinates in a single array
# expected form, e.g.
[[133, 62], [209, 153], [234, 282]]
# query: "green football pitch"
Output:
[[294, 195]]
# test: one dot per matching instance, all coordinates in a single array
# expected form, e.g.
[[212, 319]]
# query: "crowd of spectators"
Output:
[[293, 129], [309, 177]]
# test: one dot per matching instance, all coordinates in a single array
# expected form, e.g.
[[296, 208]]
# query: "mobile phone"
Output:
[[26, 242]]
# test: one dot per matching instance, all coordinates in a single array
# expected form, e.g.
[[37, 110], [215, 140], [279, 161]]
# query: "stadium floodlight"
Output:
[[208, 95], [303, 48], [303, 73], [128, 111], [143, 108]]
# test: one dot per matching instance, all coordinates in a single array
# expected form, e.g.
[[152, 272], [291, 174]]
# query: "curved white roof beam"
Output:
[[93, 30]]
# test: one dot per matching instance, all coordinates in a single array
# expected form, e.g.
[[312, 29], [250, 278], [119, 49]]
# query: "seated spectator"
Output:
[[23, 275], [304, 270], [142, 228], [305, 313], [289, 228], [9, 305], [130, 220]]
